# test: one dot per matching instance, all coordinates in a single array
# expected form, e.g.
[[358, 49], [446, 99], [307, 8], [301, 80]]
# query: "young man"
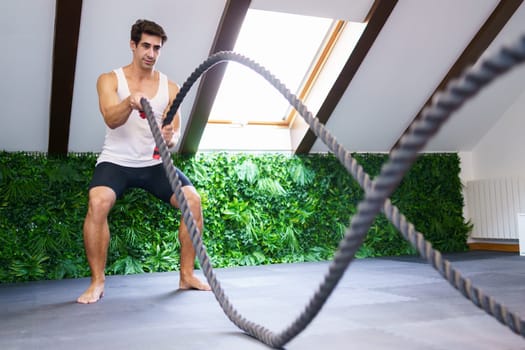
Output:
[[126, 158]]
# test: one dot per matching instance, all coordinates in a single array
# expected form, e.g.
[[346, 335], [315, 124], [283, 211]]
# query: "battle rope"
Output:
[[376, 192]]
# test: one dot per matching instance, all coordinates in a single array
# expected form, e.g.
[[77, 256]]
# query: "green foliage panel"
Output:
[[258, 209]]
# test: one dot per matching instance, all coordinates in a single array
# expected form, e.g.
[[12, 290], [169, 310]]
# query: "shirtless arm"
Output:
[[114, 111]]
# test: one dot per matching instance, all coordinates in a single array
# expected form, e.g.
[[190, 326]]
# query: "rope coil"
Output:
[[377, 191]]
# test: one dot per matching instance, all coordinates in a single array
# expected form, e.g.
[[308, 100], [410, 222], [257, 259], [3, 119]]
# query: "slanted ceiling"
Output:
[[410, 49]]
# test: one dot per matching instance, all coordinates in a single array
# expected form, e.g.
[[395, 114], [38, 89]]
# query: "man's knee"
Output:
[[192, 196], [101, 200]]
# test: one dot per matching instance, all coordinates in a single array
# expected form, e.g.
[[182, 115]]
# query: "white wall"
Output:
[[247, 138], [501, 152], [27, 28]]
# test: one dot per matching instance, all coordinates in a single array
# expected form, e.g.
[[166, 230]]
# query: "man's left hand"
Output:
[[167, 135]]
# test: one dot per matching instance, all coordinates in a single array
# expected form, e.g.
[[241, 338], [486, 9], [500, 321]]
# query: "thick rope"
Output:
[[376, 192]]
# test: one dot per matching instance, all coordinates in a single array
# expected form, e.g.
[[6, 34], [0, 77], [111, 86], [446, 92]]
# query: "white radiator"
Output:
[[493, 206]]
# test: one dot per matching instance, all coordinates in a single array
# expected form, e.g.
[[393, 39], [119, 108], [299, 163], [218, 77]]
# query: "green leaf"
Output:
[[247, 171]]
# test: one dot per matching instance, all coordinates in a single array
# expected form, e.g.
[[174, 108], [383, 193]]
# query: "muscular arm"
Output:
[[114, 111]]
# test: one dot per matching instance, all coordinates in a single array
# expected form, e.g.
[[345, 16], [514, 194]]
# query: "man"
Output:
[[126, 159]]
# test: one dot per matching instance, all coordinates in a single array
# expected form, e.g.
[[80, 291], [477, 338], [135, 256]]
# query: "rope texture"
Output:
[[377, 192]]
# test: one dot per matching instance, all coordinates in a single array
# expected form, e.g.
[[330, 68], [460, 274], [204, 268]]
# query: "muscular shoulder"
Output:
[[107, 82], [107, 79]]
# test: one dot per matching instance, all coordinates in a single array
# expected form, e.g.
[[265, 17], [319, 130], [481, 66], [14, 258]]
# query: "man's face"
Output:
[[147, 51]]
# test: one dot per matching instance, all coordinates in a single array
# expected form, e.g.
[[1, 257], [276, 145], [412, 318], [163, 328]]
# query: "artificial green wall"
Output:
[[258, 209]]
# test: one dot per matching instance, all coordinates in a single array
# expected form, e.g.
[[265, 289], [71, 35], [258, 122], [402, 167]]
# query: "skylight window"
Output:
[[286, 45], [305, 53]]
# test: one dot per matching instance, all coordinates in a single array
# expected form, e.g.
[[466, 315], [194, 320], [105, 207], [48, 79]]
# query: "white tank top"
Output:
[[132, 143]]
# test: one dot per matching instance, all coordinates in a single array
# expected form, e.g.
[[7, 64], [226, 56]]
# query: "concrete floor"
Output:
[[398, 303]]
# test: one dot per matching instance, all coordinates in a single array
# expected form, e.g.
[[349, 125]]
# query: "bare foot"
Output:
[[193, 282], [94, 292]]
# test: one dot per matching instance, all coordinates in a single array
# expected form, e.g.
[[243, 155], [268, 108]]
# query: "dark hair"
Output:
[[148, 27]]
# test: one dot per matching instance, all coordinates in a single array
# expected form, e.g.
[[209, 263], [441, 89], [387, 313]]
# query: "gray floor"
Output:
[[383, 303]]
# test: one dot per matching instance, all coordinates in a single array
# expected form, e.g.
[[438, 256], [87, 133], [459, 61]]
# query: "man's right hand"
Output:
[[134, 101]]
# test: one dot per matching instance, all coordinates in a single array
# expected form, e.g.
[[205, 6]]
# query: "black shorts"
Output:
[[120, 178]]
